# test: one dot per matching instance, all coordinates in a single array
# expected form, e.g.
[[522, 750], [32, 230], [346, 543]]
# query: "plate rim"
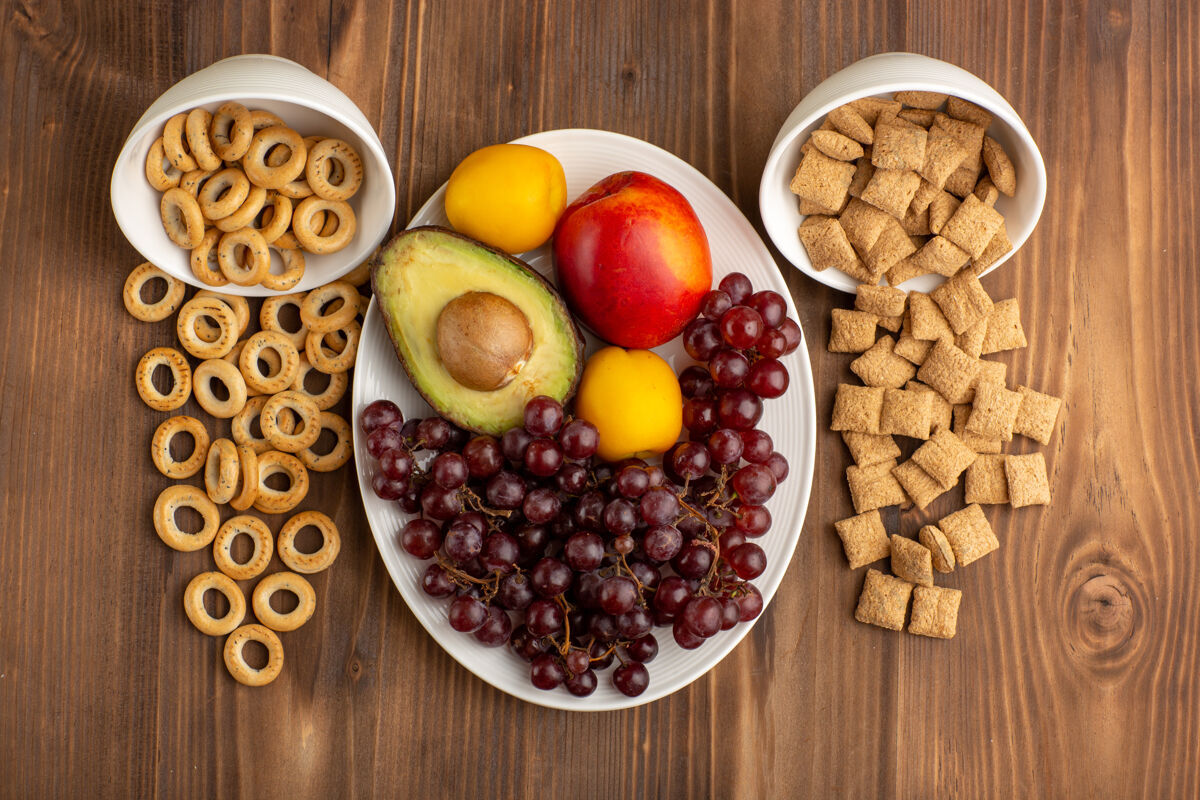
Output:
[[803, 464]]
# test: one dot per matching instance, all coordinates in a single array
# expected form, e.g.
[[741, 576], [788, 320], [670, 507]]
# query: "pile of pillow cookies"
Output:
[[932, 387], [900, 188]]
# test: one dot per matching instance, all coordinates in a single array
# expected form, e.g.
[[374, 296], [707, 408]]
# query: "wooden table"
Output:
[[1074, 672]]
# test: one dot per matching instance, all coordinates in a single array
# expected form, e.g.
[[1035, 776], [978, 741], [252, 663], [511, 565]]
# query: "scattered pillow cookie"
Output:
[[857, 408], [911, 561], [879, 366], [1037, 414], [939, 547], [969, 534], [870, 448], [874, 486], [852, 331], [1027, 482], [944, 457], [921, 488], [863, 538], [884, 601], [934, 611], [986, 482]]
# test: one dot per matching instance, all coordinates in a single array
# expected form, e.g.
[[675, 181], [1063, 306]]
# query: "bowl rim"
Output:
[[995, 103], [368, 136]]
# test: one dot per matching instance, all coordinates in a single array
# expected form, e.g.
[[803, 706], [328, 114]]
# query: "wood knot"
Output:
[[629, 74], [1104, 609]]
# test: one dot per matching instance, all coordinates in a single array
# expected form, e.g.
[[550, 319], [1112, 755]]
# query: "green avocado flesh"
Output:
[[421, 270]]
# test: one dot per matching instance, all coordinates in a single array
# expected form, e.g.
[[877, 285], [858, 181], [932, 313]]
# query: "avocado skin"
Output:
[[468, 408]]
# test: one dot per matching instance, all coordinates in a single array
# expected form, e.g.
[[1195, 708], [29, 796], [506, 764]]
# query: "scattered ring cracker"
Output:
[[236, 663], [260, 556], [193, 603]]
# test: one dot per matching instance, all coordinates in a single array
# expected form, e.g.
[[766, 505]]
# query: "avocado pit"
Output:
[[483, 340]]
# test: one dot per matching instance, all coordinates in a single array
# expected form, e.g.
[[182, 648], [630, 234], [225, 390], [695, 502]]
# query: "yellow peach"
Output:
[[633, 399]]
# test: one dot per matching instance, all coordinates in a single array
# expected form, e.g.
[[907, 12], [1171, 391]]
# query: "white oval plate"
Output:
[[588, 156]]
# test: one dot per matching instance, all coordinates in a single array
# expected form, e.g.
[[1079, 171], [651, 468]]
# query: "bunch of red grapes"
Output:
[[588, 556]]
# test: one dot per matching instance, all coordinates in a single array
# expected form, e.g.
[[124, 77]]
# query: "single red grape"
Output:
[[741, 326], [420, 538], [379, 414], [751, 603], [684, 636], [754, 484], [658, 506], [579, 439], [695, 381], [436, 582], [738, 408], [701, 338], [500, 552], [583, 684], [484, 457], [467, 614], [714, 304], [737, 286], [631, 679], [449, 470], [462, 543], [662, 542], [778, 466], [767, 378], [543, 457], [700, 415], [728, 368], [725, 446], [757, 446], [387, 489], [748, 560], [753, 520], [770, 305], [434, 432], [702, 616], [546, 673], [496, 628], [791, 332], [383, 439], [691, 460], [644, 648], [543, 416], [772, 343], [513, 443]]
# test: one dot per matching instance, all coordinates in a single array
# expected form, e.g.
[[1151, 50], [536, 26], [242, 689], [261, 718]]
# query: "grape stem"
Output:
[[567, 608], [476, 503], [636, 582], [712, 540], [612, 649], [490, 584]]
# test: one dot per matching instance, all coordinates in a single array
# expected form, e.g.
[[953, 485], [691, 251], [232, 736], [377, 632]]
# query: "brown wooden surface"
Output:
[[1075, 670]]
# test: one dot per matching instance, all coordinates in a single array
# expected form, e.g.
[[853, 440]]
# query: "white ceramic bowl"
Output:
[[306, 102], [879, 76]]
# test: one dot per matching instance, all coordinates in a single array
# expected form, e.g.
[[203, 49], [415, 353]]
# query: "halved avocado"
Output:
[[418, 274]]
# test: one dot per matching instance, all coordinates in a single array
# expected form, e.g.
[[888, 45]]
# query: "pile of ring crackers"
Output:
[[262, 381], [238, 184], [896, 215]]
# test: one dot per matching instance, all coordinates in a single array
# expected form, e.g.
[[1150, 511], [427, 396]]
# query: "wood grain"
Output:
[[1075, 670]]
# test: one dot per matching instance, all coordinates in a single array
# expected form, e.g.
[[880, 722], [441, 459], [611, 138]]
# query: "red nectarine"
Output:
[[632, 260]]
